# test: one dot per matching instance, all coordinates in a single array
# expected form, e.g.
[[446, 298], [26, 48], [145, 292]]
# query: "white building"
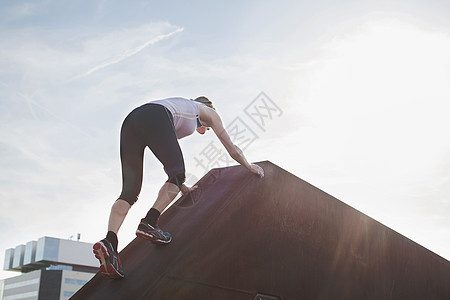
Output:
[[51, 269]]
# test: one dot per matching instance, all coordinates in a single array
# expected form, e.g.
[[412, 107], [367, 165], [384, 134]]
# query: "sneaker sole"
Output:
[[107, 270], [147, 236]]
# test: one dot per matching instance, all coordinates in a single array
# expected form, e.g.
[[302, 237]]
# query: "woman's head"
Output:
[[201, 128], [206, 101]]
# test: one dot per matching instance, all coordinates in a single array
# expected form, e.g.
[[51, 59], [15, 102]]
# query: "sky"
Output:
[[354, 96]]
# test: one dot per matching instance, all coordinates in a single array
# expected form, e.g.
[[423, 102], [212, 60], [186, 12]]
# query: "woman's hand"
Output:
[[186, 190], [255, 169]]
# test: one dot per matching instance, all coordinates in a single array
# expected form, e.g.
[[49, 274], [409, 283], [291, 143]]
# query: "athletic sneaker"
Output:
[[153, 233], [110, 267]]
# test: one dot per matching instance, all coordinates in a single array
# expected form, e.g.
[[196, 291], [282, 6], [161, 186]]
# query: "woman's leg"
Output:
[[118, 213], [131, 156], [166, 194], [164, 145], [132, 159]]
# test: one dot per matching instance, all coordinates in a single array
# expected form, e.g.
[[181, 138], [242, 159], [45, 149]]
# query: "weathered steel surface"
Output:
[[239, 236]]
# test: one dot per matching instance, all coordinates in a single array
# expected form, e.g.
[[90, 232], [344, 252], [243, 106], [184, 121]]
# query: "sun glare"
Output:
[[382, 88], [394, 60]]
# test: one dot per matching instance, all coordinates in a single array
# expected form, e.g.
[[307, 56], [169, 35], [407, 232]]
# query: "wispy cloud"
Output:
[[31, 103], [22, 10], [130, 52]]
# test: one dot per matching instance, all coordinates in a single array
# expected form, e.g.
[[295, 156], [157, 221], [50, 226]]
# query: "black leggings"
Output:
[[148, 125]]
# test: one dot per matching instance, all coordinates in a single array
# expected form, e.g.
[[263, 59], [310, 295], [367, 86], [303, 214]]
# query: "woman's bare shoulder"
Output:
[[208, 115]]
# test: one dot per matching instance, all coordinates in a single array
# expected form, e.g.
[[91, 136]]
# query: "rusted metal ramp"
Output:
[[241, 237]]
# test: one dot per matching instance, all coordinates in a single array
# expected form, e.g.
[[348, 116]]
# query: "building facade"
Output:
[[51, 269]]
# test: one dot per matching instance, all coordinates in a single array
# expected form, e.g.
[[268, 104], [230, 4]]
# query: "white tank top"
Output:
[[184, 112]]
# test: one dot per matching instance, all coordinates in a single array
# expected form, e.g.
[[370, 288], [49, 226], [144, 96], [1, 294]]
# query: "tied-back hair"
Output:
[[206, 101]]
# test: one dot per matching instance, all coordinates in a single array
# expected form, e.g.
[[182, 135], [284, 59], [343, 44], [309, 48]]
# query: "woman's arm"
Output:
[[213, 120]]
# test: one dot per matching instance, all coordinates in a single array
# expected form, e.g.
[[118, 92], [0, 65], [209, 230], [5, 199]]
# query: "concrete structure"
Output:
[[51, 269], [241, 237], [45, 284]]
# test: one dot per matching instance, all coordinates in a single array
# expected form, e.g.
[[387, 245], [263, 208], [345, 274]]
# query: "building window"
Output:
[[68, 294], [60, 267], [21, 283], [20, 296], [74, 281]]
